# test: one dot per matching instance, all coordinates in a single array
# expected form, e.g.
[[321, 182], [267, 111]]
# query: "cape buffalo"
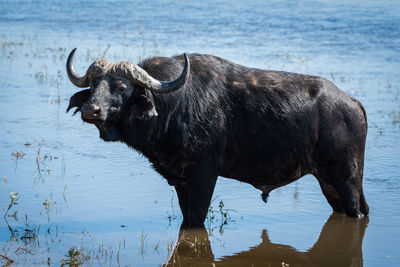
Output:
[[197, 117]]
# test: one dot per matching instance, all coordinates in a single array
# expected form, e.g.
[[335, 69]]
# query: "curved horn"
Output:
[[168, 87], [74, 77], [137, 75]]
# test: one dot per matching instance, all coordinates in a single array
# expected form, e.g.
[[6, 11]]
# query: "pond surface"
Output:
[[81, 200]]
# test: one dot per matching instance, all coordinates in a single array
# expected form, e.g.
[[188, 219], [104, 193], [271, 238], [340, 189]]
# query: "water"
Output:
[[103, 200]]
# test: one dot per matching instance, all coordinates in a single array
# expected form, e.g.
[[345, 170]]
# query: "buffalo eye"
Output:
[[118, 85]]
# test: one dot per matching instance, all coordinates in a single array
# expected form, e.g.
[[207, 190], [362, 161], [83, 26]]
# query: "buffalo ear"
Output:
[[78, 99], [142, 108]]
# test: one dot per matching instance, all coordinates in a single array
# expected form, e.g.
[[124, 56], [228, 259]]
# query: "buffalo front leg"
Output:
[[195, 197]]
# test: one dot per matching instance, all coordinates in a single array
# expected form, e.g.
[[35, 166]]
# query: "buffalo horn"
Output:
[[138, 76], [74, 77]]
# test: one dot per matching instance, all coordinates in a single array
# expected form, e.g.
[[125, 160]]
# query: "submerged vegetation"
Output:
[[27, 237], [74, 257], [218, 218]]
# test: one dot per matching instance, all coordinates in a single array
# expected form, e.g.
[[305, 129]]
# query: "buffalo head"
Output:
[[117, 91]]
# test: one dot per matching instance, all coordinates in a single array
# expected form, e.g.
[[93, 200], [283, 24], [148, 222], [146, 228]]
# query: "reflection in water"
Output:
[[339, 244]]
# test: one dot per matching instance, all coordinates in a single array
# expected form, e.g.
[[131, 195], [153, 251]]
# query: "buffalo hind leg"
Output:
[[342, 186], [195, 197]]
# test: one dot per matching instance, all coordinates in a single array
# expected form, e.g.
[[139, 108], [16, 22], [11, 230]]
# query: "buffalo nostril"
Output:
[[91, 111], [95, 109], [96, 112]]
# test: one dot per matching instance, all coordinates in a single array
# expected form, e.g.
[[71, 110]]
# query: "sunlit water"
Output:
[[104, 200]]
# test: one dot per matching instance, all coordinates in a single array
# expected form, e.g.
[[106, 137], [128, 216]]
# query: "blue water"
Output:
[[103, 199]]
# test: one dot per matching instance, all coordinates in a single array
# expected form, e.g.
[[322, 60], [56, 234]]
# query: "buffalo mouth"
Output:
[[93, 121], [108, 132], [100, 124]]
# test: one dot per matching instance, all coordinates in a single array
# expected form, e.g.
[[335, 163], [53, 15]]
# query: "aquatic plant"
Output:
[[224, 215], [75, 256], [143, 236], [13, 197], [172, 216], [9, 260]]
